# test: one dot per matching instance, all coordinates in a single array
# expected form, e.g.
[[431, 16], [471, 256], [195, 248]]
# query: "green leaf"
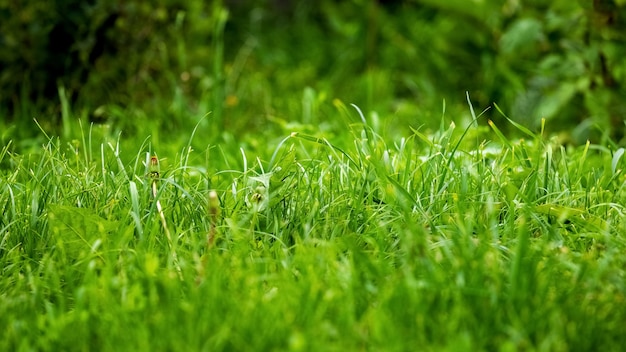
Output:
[[522, 35]]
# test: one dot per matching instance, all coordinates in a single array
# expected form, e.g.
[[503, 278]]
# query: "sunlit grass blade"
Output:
[[517, 125], [423, 137], [499, 133], [154, 175]]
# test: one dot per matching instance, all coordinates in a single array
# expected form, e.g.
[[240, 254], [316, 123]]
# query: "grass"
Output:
[[454, 239]]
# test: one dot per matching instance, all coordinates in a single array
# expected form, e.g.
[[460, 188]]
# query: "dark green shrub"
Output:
[[47, 44], [100, 51]]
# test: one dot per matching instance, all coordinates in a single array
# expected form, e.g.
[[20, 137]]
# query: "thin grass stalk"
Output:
[[154, 175], [214, 213]]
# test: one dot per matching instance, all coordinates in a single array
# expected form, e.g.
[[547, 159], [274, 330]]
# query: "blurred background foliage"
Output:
[[258, 65]]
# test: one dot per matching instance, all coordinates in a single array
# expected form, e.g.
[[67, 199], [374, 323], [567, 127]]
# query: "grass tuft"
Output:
[[460, 239]]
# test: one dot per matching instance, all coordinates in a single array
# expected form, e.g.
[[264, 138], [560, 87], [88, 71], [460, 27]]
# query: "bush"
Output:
[[99, 51], [560, 60]]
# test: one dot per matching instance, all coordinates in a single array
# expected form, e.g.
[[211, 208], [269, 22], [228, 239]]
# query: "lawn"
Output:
[[458, 238], [236, 176]]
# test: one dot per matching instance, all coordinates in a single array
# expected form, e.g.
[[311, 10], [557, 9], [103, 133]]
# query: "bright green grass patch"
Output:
[[459, 240]]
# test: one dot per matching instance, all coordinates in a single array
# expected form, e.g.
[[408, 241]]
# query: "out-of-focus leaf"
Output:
[[77, 230], [522, 36], [577, 216], [554, 101]]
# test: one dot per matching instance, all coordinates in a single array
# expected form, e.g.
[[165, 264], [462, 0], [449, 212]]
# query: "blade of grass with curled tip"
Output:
[[368, 133], [273, 159]]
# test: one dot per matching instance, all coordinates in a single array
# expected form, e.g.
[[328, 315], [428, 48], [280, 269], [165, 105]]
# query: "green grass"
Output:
[[456, 239]]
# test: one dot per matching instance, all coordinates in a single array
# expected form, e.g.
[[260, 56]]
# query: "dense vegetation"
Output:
[[284, 176], [560, 60]]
